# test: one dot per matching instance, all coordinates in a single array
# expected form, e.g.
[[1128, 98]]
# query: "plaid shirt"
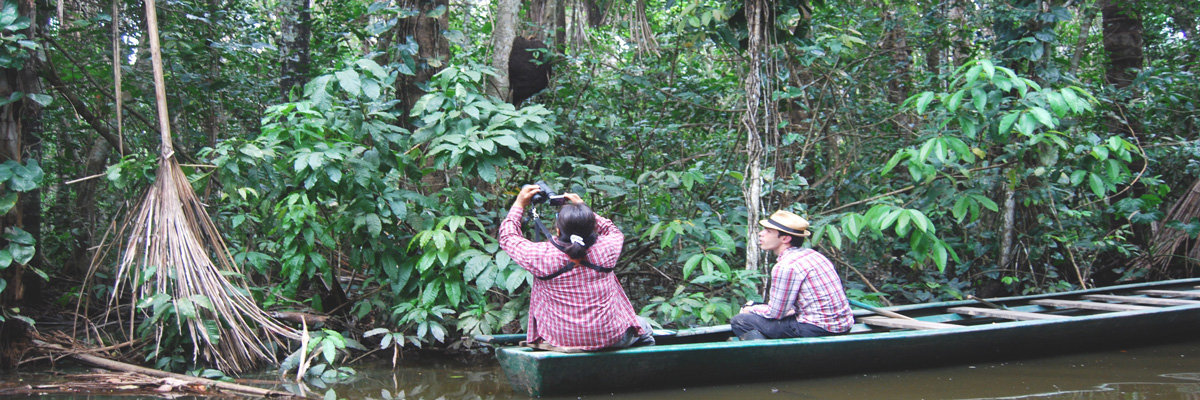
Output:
[[581, 308], [805, 283]]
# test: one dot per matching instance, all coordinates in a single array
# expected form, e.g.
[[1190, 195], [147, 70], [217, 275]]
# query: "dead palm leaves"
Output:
[[175, 260], [167, 259]]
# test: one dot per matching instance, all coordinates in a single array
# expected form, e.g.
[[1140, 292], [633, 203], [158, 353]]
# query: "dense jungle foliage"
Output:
[[357, 155]]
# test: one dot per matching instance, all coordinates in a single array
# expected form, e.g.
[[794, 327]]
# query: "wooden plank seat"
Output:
[[898, 323], [1140, 300], [1088, 305], [1005, 314], [1169, 293]]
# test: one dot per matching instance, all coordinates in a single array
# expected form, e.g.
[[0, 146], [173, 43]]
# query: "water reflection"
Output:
[[1160, 372], [1169, 371]]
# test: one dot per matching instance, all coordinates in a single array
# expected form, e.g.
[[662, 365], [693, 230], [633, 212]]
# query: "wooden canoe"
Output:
[[941, 334]]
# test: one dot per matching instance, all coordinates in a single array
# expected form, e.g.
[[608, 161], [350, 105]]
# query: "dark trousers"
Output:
[[750, 326]]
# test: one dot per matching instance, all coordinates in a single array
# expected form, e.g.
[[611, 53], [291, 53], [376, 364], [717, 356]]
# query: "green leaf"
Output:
[[835, 237], [1006, 123], [6, 259], [1078, 176], [940, 256], [690, 265], [923, 101], [986, 202], [852, 226], [42, 99], [475, 266], [21, 254], [960, 208], [515, 279], [979, 98], [431, 292], [1043, 116], [955, 99], [7, 202], [453, 293], [1097, 184], [718, 262], [349, 80]]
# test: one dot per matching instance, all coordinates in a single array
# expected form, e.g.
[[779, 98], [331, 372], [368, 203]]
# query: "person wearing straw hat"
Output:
[[806, 298]]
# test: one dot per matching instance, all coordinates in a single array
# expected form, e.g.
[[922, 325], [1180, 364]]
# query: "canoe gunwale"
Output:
[[693, 363]]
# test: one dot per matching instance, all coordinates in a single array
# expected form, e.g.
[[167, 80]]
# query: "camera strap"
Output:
[[541, 229]]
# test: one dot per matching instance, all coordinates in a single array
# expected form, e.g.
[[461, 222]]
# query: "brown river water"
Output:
[[1168, 371]]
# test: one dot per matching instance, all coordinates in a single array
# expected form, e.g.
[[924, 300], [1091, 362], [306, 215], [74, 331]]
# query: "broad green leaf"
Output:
[[835, 237], [1078, 176], [349, 80], [1006, 123], [42, 99], [6, 259], [717, 262], [1043, 116], [21, 254], [431, 292], [690, 265], [923, 101], [453, 293], [515, 279], [7, 202], [955, 99], [940, 256], [960, 208], [1097, 184], [986, 202], [475, 266]]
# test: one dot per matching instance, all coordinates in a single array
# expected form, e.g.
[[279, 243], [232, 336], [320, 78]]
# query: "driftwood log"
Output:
[[114, 365]]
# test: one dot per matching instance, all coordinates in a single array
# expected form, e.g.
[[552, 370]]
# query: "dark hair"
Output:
[[576, 219], [796, 241]]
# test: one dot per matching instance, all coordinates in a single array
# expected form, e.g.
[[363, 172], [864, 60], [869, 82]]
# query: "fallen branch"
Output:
[[124, 367]]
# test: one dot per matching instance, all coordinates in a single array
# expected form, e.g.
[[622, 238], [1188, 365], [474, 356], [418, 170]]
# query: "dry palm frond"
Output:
[[170, 239], [1167, 241], [167, 258]]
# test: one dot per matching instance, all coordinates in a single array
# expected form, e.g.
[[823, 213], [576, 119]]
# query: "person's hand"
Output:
[[573, 198], [526, 195]]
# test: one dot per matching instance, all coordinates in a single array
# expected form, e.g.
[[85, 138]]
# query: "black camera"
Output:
[[547, 195]]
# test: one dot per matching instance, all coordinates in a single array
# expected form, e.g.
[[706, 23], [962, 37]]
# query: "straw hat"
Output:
[[788, 223]]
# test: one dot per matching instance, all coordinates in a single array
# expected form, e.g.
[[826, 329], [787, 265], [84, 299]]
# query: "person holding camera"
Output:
[[576, 301], [806, 297]]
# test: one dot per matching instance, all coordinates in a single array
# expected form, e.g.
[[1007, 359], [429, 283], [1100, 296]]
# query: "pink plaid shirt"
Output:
[[804, 282], [581, 308]]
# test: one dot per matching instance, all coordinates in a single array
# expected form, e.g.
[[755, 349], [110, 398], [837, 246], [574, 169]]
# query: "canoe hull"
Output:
[[541, 373]]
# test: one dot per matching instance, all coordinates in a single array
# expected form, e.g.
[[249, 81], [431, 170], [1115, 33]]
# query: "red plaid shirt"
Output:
[[804, 282], [581, 308]]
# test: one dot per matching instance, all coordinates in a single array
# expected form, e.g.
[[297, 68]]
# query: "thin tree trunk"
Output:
[[1123, 43], [754, 10], [503, 33], [294, 45], [1085, 28], [1010, 212], [85, 206], [433, 50]]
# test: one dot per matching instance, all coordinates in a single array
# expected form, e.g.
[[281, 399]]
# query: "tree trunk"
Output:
[[895, 43], [433, 50], [1085, 28], [755, 19], [84, 205], [19, 121], [1123, 44], [504, 31], [294, 45]]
